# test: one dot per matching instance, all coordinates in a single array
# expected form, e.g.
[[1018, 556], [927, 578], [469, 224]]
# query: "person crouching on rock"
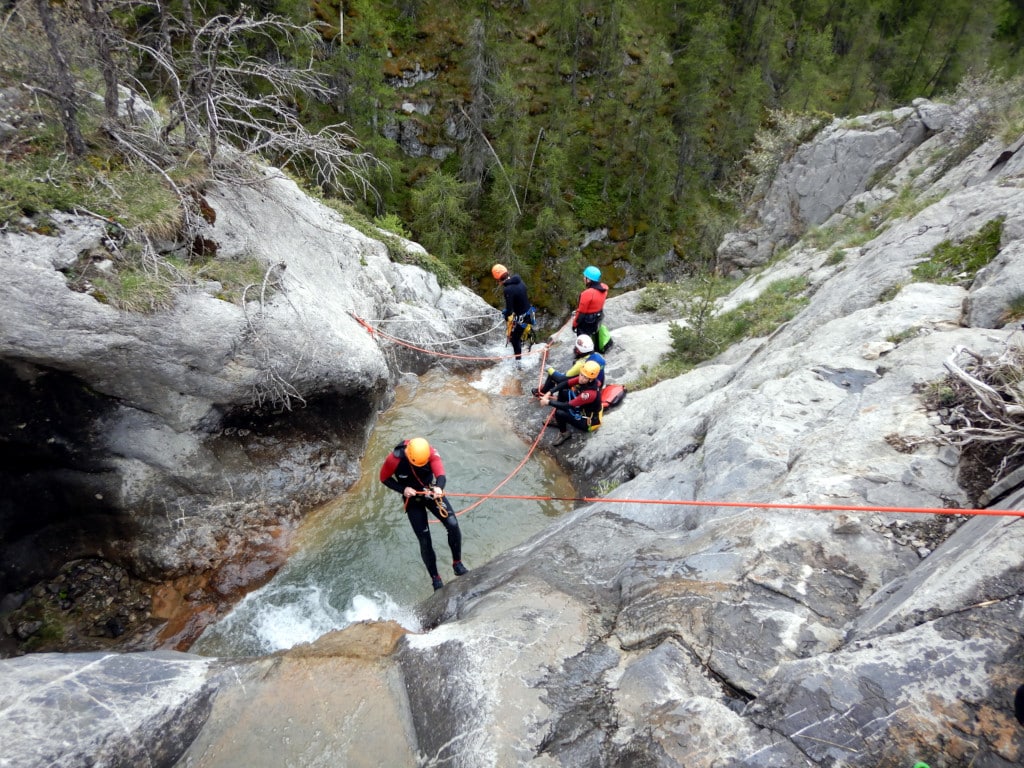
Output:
[[583, 352], [577, 402], [415, 470]]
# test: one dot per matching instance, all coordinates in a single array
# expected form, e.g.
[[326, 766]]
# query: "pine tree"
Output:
[[440, 220]]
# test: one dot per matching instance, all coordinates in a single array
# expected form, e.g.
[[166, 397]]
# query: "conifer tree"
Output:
[[440, 220]]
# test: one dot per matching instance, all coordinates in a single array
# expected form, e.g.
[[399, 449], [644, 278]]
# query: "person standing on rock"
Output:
[[577, 402], [590, 310], [415, 470], [518, 312]]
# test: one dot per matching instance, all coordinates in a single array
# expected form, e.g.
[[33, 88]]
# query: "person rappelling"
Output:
[[415, 470]]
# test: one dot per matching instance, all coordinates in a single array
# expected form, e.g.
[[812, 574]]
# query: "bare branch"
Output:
[[988, 409]]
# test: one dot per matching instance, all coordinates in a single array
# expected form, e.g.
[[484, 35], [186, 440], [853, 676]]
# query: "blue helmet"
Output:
[[592, 273]]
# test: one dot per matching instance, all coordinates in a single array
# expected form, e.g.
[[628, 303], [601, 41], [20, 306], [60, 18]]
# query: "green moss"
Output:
[[958, 263], [42, 180], [135, 289], [1014, 309]]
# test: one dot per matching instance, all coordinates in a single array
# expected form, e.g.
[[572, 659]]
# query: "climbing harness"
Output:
[[526, 321]]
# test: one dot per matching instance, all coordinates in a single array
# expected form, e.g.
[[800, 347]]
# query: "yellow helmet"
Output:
[[417, 451], [499, 272], [591, 369]]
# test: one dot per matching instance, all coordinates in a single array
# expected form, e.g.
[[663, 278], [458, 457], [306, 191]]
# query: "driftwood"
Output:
[[989, 409]]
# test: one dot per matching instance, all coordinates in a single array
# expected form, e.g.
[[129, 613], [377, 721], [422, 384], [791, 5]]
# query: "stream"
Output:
[[356, 558]]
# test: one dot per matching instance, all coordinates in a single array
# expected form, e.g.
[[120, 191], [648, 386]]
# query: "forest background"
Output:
[[544, 134]]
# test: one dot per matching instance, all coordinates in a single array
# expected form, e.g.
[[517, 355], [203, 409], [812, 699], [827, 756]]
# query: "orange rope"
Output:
[[596, 499], [760, 505], [383, 334], [492, 495]]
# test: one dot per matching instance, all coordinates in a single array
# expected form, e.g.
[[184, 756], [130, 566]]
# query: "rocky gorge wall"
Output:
[[710, 628], [183, 444]]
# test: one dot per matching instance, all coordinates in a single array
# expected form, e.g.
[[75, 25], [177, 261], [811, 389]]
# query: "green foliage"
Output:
[[706, 335], [134, 288], [652, 120], [134, 279], [904, 335], [234, 275], [44, 179], [656, 296], [957, 263], [837, 256], [1014, 309], [606, 486], [939, 394], [774, 142], [866, 226], [440, 219], [393, 224]]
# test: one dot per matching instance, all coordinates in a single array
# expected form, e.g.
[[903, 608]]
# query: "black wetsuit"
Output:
[[578, 404], [517, 305], [398, 473]]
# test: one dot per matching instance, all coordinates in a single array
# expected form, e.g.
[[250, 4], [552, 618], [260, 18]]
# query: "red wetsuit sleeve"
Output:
[[437, 467], [588, 395], [584, 397], [388, 467]]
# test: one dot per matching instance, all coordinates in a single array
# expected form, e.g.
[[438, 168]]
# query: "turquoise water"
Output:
[[357, 558]]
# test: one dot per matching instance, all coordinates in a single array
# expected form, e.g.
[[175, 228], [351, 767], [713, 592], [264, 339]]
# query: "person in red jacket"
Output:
[[415, 470], [577, 402], [590, 311]]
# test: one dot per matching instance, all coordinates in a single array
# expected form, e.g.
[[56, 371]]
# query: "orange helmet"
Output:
[[417, 451], [591, 369], [499, 272]]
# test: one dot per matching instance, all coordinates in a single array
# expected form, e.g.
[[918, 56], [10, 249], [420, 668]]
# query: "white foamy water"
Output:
[[280, 618], [496, 378]]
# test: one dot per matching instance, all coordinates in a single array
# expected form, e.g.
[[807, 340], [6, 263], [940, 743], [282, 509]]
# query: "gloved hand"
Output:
[[436, 492], [549, 370]]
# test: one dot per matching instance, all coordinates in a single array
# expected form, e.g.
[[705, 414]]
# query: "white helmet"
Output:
[[584, 344]]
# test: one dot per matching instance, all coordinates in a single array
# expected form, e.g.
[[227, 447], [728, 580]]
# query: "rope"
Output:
[[409, 320], [605, 500], [754, 504], [482, 497], [377, 331], [492, 495], [492, 329]]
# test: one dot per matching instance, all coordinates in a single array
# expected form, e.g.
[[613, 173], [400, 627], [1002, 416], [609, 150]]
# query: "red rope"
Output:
[[383, 334], [596, 499], [492, 495], [761, 505]]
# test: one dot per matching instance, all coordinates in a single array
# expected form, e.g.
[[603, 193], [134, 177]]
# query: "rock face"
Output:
[[161, 441], [752, 588], [843, 161]]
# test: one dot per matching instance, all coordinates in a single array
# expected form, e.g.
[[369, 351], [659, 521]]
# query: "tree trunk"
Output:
[[67, 99], [101, 27]]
